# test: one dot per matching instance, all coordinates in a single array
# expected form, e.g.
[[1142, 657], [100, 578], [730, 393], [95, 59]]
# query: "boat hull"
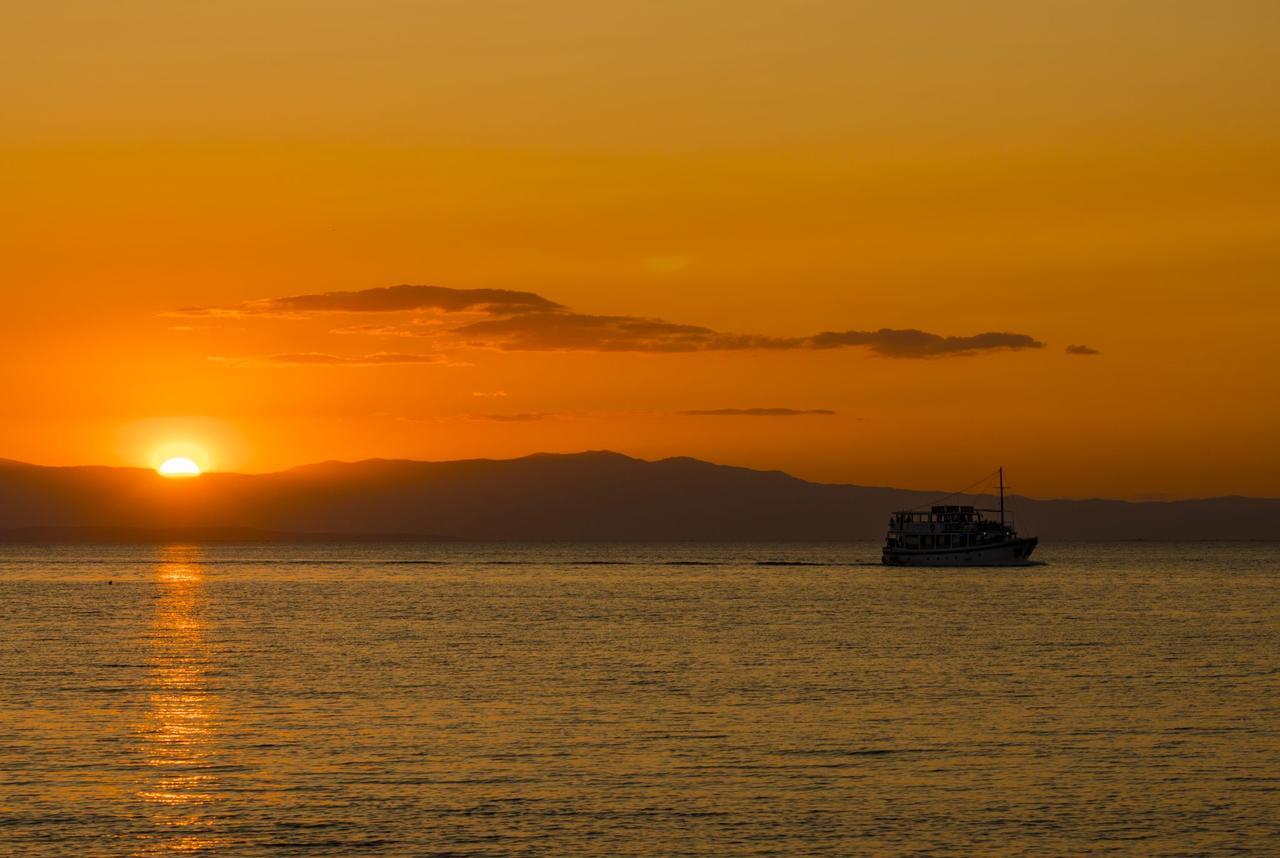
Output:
[[1012, 552]]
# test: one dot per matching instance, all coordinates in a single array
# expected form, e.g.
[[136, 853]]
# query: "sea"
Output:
[[619, 700]]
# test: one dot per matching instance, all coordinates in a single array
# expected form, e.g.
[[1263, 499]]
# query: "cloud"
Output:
[[581, 332], [1082, 350], [911, 343], [566, 331], [525, 321], [513, 418], [321, 359], [386, 299], [757, 412], [375, 331]]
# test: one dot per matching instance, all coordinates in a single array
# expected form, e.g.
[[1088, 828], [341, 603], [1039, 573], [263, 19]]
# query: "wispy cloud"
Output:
[[526, 417], [387, 299], [322, 359], [1082, 350], [565, 331], [376, 331], [757, 412]]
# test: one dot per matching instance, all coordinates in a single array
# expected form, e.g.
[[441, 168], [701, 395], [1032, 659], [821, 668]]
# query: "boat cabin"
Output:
[[945, 527]]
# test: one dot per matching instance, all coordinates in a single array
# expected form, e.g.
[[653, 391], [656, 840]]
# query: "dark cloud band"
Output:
[[525, 321], [913, 343], [757, 412], [566, 331], [388, 299]]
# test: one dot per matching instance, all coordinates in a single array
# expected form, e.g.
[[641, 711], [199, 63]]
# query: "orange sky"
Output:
[[752, 174]]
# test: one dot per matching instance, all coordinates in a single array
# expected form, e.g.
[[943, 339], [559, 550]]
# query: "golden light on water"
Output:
[[179, 466], [179, 727]]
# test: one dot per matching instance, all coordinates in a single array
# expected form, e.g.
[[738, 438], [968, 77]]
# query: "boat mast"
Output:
[[1002, 496]]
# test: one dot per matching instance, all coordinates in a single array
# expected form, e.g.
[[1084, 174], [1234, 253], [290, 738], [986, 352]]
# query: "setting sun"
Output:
[[179, 466]]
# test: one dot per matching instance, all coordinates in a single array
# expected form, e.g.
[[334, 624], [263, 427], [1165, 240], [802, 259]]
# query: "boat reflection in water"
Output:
[[178, 728]]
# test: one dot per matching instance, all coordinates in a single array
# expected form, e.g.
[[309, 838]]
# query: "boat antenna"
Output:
[[1002, 495], [953, 494]]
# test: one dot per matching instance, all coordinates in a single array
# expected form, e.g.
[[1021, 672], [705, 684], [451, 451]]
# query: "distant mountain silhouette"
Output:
[[90, 535], [593, 496]]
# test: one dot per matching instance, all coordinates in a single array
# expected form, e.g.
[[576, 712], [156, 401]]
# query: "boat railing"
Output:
[[935, 517]]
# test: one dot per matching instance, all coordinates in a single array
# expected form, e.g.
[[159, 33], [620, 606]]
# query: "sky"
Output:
[[888, 244]]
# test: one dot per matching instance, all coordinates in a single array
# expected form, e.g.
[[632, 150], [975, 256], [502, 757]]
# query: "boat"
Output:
[[951, 535]]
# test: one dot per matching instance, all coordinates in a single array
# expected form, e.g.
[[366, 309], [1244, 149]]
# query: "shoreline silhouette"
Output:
[[577, 497]]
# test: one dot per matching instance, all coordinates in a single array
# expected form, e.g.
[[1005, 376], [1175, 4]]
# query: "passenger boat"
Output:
[[955, 536]]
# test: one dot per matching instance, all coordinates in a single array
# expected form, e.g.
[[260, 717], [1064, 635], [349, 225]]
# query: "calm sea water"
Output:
[[628, 700]]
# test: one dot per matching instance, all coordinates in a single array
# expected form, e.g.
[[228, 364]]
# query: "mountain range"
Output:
[[592, 496]]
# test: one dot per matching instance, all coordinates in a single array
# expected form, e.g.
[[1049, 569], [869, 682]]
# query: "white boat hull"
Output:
[[1013, 552]]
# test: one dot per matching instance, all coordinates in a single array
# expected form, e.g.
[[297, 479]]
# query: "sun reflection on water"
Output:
[[178, 729]]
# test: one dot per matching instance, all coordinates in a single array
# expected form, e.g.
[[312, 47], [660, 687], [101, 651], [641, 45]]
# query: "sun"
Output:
[[178, 466]]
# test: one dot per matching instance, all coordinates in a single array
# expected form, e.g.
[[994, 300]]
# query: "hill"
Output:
[[593, 496]]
